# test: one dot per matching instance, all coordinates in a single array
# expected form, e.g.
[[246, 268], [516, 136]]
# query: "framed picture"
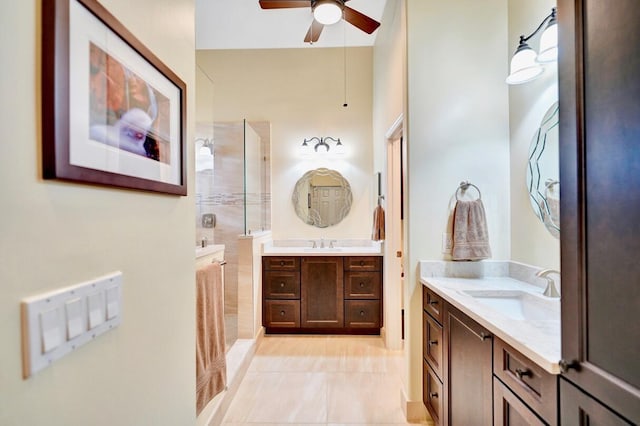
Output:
[[112, 112]]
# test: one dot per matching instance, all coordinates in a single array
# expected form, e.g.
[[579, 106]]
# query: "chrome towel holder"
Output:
[[464, 185]]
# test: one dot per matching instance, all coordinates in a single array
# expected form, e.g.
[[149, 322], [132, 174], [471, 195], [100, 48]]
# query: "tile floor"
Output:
[[320, 380]]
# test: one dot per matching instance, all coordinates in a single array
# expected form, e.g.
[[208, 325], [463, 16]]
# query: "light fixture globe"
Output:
[[549, 44], [328, 12], [524, 67]]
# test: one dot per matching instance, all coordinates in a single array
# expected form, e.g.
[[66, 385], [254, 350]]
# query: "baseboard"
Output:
[[414, 411]]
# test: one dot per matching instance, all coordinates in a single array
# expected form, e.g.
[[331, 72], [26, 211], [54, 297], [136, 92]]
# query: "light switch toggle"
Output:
[[75, 324], [51, 333], [96, 309], [113, 306]]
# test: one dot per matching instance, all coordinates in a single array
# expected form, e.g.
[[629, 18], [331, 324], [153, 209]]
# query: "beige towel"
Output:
[[470, 235], [211, 366], [378, 224]]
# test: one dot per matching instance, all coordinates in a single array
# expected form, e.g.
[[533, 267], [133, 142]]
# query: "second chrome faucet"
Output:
[[551, 290]]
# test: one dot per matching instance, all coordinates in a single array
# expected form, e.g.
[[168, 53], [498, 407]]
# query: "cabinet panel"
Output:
[[281, 313], [432, 395], [362, 285], [363, 263], [433, 345], [322, 292], [579, 409], [531, 383], [469, 375], [432, 303], [281, 263], [362, 313], [281, 285], [508, 410]]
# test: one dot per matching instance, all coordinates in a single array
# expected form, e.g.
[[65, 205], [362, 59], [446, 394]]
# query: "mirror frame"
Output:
[[302, 186]]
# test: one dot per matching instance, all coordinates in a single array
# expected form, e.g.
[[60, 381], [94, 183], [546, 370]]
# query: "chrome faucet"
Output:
[[551, 290], [331, 243], [321, 242], [313, 243]]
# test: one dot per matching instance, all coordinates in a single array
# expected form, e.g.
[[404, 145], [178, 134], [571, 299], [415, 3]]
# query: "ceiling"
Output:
[[242, 24]]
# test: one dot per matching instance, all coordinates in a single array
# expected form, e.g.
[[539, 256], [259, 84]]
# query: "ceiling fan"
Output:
[[325, 12]]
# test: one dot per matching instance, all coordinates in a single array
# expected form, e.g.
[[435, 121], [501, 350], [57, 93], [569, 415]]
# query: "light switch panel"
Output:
[[57, 323], [75, 318]]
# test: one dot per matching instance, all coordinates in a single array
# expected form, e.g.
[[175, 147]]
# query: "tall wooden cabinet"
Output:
[[599, 80]]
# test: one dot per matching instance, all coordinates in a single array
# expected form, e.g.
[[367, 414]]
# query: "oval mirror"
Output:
[[322, 197], [543, 176]]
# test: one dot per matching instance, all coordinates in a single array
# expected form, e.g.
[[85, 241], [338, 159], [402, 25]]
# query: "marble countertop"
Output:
[[539, 340], [340, 248]]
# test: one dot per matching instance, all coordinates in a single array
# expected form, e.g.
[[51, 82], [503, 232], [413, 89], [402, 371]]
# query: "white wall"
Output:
[[458, 129], [301, 92], [57, 234], [530, 241]]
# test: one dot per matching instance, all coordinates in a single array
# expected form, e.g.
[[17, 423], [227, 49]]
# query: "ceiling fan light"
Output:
[[327, 12]]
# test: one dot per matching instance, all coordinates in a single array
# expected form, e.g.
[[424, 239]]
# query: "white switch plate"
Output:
[[56, 323]]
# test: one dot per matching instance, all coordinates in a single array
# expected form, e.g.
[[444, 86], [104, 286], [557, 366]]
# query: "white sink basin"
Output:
[[518, 305], [323, 249]]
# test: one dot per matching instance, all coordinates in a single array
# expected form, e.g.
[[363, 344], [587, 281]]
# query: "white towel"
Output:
[[470, 235]]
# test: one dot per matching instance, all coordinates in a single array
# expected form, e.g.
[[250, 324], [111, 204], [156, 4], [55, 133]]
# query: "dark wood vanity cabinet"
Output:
[[457, 365], [599, 90], [332, 294]]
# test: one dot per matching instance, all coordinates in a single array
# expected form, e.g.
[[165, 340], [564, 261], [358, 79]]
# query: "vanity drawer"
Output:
[[536, 387], [281, 285], [433, 347], [432, 394], [362, 314], [362, 263], [281, 263], [508, 410], [281, 313], [362, 285], [432, 303]]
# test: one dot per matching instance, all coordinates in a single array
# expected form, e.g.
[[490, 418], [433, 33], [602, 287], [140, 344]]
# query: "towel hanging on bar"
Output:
[[378, 223]]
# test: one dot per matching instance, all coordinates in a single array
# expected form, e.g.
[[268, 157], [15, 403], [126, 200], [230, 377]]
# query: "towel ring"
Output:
[[464, 185]]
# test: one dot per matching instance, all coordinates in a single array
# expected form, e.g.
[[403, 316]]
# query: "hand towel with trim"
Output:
[[211, 365], [378, 224], [470, 234]]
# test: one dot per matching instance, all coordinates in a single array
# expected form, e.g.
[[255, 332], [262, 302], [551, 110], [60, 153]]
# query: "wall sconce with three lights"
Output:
[[321, 145], [526, 64]]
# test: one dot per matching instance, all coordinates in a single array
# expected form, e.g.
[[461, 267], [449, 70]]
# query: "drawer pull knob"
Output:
[[362, 263], [433, 342], [361, 285], [281, 284], [523, 373], [433, 395], [282, 263], [485, 336], [282, 313], [433, 302], [567, 365], [361, 313]]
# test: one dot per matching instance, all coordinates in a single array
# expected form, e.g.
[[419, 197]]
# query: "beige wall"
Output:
[[530, 241], [57, 234], [458, 129], [301, 92]]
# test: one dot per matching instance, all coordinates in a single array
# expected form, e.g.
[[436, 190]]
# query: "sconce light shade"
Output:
[[339, 147], [523, 65], [204, 159], [321, 145], [327, 12], [305, 149], [549, 44]]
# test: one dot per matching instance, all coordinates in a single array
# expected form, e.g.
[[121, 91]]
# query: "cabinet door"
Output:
[[579, 409], [469, 372], [322, 292], [600, 206], [508, 410]]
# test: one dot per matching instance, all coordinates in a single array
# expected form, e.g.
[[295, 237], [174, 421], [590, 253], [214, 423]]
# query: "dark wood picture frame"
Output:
[[154, 169]]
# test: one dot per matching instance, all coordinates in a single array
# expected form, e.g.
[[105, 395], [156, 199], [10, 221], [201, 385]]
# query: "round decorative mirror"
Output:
[[322, 197], [543, 176]]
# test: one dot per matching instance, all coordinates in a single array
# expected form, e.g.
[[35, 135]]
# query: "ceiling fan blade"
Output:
[[360, 20], [314, 32], [284, 4]]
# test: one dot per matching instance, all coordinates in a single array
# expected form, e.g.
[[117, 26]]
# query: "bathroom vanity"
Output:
[[330, 291], [488, 364]]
